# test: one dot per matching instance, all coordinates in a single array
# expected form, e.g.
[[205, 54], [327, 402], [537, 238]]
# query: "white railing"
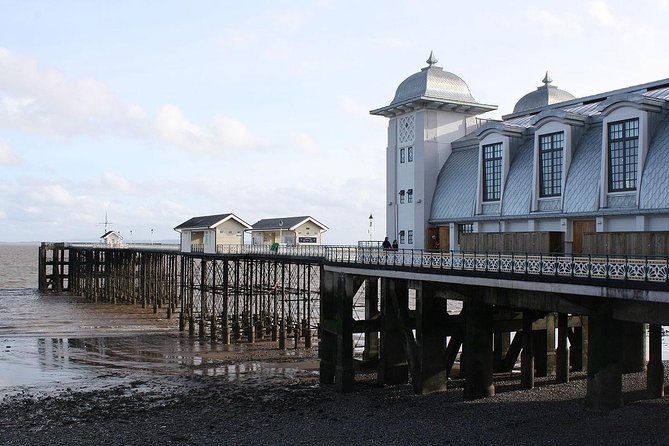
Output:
[[299, 250], [650, 269]]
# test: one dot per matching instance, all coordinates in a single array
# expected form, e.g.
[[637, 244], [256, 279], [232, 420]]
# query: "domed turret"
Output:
[[432, 87], [542, 96], [433, 82]]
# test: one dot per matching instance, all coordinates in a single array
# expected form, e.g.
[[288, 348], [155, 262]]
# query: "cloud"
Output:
[[52, 194], [45, 102], [353, 107], [601, 12], [116, 183], [304, 142], [561, 23], [7, 156], [237, 39]]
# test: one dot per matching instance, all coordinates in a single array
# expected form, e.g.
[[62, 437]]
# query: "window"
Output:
[[623, 154], [466, 228], [402, 237], [402, 196], [409, 154], [492, 171], [410, 196], [550, 164], [402, 155], [410, 236]]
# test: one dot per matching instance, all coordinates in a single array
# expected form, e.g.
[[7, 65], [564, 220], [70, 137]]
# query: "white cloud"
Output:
[[45, 102], [353, 107], [561, 23], [304, 142], [3, 214], [601, 12], [52, 194], [7, 156], [116, 182], [391, 42], [237, 39]]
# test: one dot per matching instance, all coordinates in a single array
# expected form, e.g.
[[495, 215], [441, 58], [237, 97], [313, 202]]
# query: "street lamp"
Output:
[[152, 236], [371, 229], [280, 231]]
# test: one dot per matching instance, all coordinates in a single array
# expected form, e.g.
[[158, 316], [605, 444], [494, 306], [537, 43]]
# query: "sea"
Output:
[[51, 343]]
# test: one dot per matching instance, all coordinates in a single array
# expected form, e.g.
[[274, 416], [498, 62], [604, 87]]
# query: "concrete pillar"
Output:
[[431, 313], [371, 351], [604, 389], [655, 370], [393, 367], [501, 343], [527, 354], [551, 323], [562, 352], [634, 347], [327, 337], [344, 375], [478, 347]]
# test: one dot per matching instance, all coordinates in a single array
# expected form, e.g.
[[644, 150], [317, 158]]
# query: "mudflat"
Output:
[[267, 396]]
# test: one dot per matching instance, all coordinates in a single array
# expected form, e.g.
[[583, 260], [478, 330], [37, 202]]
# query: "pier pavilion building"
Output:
[[557, 174], [291, 231], [206, 232]]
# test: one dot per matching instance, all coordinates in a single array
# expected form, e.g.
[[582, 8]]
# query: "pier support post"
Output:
[[344, 376], [562, 352], [393, 367], [604, 389], [478, 349], [634, 347], [431, 314], [327, 337], [527, 354], [655, 371], [371, 351]]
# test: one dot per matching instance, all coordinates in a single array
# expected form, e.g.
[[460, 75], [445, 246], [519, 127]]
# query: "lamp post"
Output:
[[371, 229], [280, 231], [152, 236]]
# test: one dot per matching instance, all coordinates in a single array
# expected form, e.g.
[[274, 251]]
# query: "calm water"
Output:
[[54, 342]]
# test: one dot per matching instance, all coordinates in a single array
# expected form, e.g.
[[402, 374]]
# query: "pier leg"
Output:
[[562, 352], [604, 389], [551, 323], [655, 371], [327, 345], [634, 347], [431, 313], [527, 354], [393, 366], [344, 299], [371, 351], [478, 346]]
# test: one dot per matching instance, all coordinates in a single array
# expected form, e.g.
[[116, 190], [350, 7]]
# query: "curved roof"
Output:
[[542, 96], [435, 88], [432, 81], [455, 194], [654, 192]]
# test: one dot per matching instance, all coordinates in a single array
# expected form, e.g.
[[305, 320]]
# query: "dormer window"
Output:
[[623, 147], [492, 172], [550, 164]]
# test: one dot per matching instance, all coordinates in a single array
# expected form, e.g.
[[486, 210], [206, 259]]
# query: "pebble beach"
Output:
[[291, 408]]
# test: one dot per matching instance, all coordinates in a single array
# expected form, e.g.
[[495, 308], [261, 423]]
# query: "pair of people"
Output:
[[387, 246]]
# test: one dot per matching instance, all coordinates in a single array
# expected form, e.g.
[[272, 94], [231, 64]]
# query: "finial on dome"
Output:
[[431, 60], [547, 79]]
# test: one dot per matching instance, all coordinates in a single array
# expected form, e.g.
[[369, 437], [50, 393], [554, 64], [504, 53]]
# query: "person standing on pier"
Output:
[[395, 245], [386, 244]]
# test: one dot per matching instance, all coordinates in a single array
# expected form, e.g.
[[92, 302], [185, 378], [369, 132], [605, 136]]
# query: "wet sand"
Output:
[[274, 398]]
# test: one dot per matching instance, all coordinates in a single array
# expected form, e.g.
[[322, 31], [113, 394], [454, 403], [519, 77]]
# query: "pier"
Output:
[[556, 313]]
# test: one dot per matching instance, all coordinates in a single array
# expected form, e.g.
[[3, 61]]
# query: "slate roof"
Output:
[[581, 192], [208, 221], [455, 195], [654, 188], [108, 233], [269, 224], [518, 190]]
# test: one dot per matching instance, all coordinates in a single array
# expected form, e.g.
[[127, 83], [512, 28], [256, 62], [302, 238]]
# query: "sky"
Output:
[[149, 113]]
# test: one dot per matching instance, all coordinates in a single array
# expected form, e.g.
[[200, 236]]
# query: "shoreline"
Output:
[[259, 405]]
